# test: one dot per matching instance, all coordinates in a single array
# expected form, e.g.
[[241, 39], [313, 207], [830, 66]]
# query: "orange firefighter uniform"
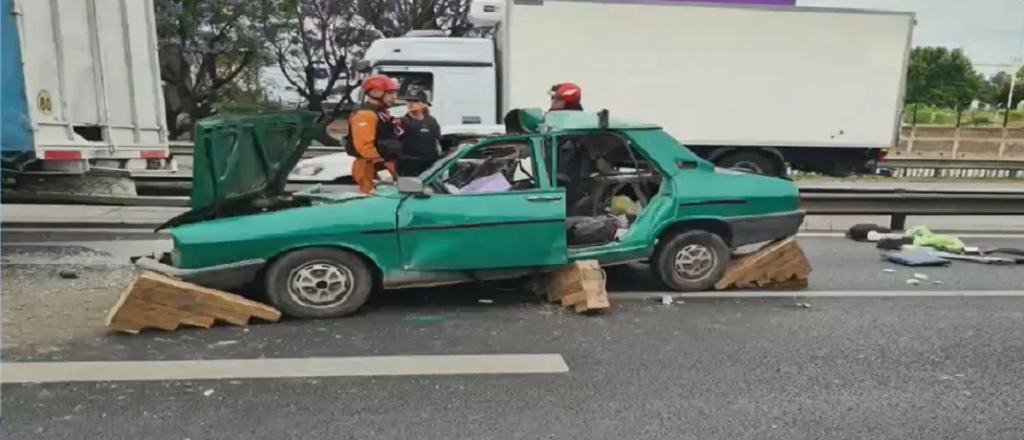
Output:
[[373, 139]]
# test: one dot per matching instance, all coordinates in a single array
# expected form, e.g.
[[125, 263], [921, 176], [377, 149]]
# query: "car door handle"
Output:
[[543, 198]]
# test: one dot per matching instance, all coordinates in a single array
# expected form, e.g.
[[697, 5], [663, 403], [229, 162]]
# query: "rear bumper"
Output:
[[756, 229], [230, 276]]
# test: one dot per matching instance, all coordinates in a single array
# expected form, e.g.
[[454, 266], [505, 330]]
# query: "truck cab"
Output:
[[459, 75]]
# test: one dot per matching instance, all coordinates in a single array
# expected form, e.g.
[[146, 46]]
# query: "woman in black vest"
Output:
[[420, 136]]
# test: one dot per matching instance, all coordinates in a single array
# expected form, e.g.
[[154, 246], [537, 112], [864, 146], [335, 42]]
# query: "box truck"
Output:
[[82, 94], [756, 87]]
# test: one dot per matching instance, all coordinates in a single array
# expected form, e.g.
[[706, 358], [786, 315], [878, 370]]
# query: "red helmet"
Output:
[[379, 83], [567, 92]]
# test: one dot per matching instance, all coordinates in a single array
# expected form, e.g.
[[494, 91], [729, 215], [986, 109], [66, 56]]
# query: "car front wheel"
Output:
[[691, 261], [319, 283]]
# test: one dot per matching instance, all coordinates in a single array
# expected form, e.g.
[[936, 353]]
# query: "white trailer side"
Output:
[[92, 80], [718, 75]]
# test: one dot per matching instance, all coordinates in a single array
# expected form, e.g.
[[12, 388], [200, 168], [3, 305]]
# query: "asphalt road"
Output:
[[860, 368], [788, 368]]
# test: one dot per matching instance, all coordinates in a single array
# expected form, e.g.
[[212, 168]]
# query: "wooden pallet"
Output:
[[157, 301], [779, 265], [580, 285]]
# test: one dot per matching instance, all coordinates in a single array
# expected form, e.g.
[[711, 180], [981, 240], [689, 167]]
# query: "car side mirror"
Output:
[[409, 185]]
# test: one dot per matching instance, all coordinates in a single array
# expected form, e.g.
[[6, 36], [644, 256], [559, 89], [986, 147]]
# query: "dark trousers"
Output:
[[413, 167]]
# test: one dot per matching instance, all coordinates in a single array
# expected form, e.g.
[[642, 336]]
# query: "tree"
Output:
[[998, 89], [316, 44], [941, 77], [394, 18], [205, 45]]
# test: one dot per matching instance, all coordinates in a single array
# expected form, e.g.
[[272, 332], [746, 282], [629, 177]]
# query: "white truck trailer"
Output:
[[82, 95], [752, 87]]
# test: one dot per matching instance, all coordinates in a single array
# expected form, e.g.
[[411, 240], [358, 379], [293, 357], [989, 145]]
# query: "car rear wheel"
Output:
[[319, 283], [691, 261]]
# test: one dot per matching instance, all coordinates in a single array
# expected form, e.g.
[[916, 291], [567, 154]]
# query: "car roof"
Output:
[[577, 120]]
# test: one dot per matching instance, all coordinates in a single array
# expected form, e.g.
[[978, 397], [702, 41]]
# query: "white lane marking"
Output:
[[50, 372], [117, 252], [807, 234], [1010, 235], [80, 231], [744, 294]]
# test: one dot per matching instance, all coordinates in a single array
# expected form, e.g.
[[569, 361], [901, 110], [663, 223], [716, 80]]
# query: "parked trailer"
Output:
[[755, 87], [82, 93]]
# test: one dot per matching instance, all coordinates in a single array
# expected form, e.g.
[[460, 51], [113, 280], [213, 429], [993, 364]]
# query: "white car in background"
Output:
[[337, 167]]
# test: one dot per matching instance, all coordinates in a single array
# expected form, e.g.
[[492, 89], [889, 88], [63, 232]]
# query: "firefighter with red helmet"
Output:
[[566, 96], [373, 137]]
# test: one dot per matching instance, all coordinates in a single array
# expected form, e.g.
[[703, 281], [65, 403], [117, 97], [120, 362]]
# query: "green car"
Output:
[[505, 207]]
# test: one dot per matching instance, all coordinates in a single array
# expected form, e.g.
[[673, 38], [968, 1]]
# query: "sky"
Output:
[[990, 31]]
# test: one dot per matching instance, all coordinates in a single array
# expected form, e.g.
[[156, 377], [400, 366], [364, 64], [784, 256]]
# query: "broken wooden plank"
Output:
[[158, 301], [580, 285], [781, 264]]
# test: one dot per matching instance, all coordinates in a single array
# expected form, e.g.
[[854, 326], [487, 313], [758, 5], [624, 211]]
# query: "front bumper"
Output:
[[231, 276], [760, 228]]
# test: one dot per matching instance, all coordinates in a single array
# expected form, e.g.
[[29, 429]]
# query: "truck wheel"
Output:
[[692, 261], [750, 161], [318, 283]]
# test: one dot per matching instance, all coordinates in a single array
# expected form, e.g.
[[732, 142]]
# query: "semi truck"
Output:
[[83, 103], [759, 88]]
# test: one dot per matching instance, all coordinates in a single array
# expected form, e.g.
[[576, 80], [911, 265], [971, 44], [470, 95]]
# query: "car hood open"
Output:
[[245, 157]]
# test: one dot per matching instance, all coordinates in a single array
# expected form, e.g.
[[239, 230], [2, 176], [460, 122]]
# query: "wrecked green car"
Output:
[[535, 198]]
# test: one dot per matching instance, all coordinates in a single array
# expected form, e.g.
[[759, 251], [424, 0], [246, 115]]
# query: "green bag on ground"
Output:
[[924, 237]]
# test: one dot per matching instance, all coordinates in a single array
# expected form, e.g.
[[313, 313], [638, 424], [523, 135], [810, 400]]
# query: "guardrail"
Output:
[[893, 202]]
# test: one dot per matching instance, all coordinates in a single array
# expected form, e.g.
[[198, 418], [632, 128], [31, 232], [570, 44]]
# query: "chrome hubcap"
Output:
[[320, 284], [694, 262]]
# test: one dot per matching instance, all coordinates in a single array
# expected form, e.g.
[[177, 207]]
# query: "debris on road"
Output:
[[68, 274], [914, 258], [580, 285], [779, 265], [157, 301]]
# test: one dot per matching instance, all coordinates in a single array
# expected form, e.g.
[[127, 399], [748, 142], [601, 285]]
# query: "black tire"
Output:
[[752, 161], [345, 264], [663, 261]]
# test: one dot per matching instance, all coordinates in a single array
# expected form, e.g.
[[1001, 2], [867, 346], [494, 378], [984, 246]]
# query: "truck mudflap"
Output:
[[229, 277]]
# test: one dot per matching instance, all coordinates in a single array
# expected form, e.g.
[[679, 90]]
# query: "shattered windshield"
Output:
[[440, 163]]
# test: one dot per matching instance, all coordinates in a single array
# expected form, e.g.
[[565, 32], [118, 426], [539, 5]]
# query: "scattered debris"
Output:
[[667, 300], [157, 301], [486, 301], [889, 270], [921, 276], [862, 231], [914, 258], [936, 282], [803, 305], [208, 392], [913, 281], [68, 274], [580, 285], [779, 265]]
